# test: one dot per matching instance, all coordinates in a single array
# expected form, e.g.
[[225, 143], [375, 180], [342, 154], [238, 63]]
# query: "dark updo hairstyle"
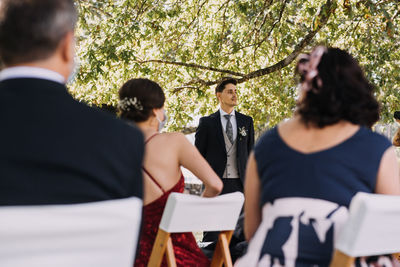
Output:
[[345, 93], [149, 95]]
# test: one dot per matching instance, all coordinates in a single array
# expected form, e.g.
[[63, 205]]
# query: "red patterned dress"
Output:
[[187, 253]]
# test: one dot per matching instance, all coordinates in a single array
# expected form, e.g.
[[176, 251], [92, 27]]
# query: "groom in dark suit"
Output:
[[53, 149], [226, 137]]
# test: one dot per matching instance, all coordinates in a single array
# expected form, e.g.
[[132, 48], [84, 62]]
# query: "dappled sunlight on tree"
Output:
[[189, 45]]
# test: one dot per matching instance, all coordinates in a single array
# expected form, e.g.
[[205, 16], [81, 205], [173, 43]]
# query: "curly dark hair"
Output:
[[149, 94], [345, 93]]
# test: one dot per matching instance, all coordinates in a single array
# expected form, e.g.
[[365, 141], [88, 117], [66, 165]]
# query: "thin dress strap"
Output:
[[151, 137], [154, 180], [144, 169]]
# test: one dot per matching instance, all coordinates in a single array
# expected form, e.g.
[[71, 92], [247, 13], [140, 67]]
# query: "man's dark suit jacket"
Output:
[[55, 150], [210, 142]]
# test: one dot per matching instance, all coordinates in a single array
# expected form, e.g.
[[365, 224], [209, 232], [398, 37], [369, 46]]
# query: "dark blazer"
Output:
[[210, 142], [55, 150]]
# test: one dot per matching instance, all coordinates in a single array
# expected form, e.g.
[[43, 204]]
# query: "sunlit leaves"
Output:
[[120, 39]]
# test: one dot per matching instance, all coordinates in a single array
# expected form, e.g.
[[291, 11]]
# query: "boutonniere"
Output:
[[242, 131]]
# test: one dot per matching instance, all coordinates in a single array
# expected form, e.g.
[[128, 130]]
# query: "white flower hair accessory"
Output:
[[242, 131], [127, 103]]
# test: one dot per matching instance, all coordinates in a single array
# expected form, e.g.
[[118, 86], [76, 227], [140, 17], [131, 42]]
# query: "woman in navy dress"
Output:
[[303, 173]]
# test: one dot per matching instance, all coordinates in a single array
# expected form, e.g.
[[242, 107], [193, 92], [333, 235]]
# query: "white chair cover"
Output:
[[373, 227], [100, 234], [189, 213]]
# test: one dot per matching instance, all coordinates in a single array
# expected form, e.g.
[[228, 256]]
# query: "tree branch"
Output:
[[188, 27], [96, 9], [188, 130], [259, 43], [256, 30], [140, 11], [192, 65], [223, 22], [395, 15], [326, 10], [177, 89]]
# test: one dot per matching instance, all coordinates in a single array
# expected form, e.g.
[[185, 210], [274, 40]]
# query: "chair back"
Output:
[[372, 228], [190, 213], [92, 234]]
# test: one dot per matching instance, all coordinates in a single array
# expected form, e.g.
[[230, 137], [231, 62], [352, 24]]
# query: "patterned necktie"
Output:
[[229, 128]]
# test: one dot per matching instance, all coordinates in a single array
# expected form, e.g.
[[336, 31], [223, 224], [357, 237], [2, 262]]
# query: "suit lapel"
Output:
[[240, 124], [239, 120], [220, 136]]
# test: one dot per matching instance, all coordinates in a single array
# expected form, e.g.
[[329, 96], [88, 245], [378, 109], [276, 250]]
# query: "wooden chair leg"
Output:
[[222, 254], [341, 260], [161, 245], [396, 256], [170, 254]]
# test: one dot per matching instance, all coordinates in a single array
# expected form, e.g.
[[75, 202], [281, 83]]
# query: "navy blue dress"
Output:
[[305, 196]]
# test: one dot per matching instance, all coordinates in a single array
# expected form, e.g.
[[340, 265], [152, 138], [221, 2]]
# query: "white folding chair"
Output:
[[373, 228], [75, 235], [189, 213]]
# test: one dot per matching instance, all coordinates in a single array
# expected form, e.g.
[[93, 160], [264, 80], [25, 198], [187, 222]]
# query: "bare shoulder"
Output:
[[288, 126], [174, 135], [173, 138]]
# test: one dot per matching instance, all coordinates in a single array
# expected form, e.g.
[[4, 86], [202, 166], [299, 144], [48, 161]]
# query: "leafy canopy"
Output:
[[187, 46]]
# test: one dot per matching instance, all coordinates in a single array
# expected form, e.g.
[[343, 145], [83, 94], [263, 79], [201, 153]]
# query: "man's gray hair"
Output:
[[32, 29]]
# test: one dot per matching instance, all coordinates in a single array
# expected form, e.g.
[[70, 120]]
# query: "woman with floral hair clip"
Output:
[[304, 172], [142, 102]]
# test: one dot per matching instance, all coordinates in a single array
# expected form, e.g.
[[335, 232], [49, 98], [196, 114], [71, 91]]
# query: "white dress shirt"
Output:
[[233, 121], [31, 72]]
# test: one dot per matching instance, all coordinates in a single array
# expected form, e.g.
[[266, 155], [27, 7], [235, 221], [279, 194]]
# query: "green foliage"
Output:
[[188, 45]]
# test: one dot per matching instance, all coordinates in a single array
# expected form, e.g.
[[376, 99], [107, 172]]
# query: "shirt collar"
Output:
[[31, 72], [222, 112]]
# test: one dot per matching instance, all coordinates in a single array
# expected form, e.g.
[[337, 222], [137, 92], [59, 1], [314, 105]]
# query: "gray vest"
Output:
[[231, 170]]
